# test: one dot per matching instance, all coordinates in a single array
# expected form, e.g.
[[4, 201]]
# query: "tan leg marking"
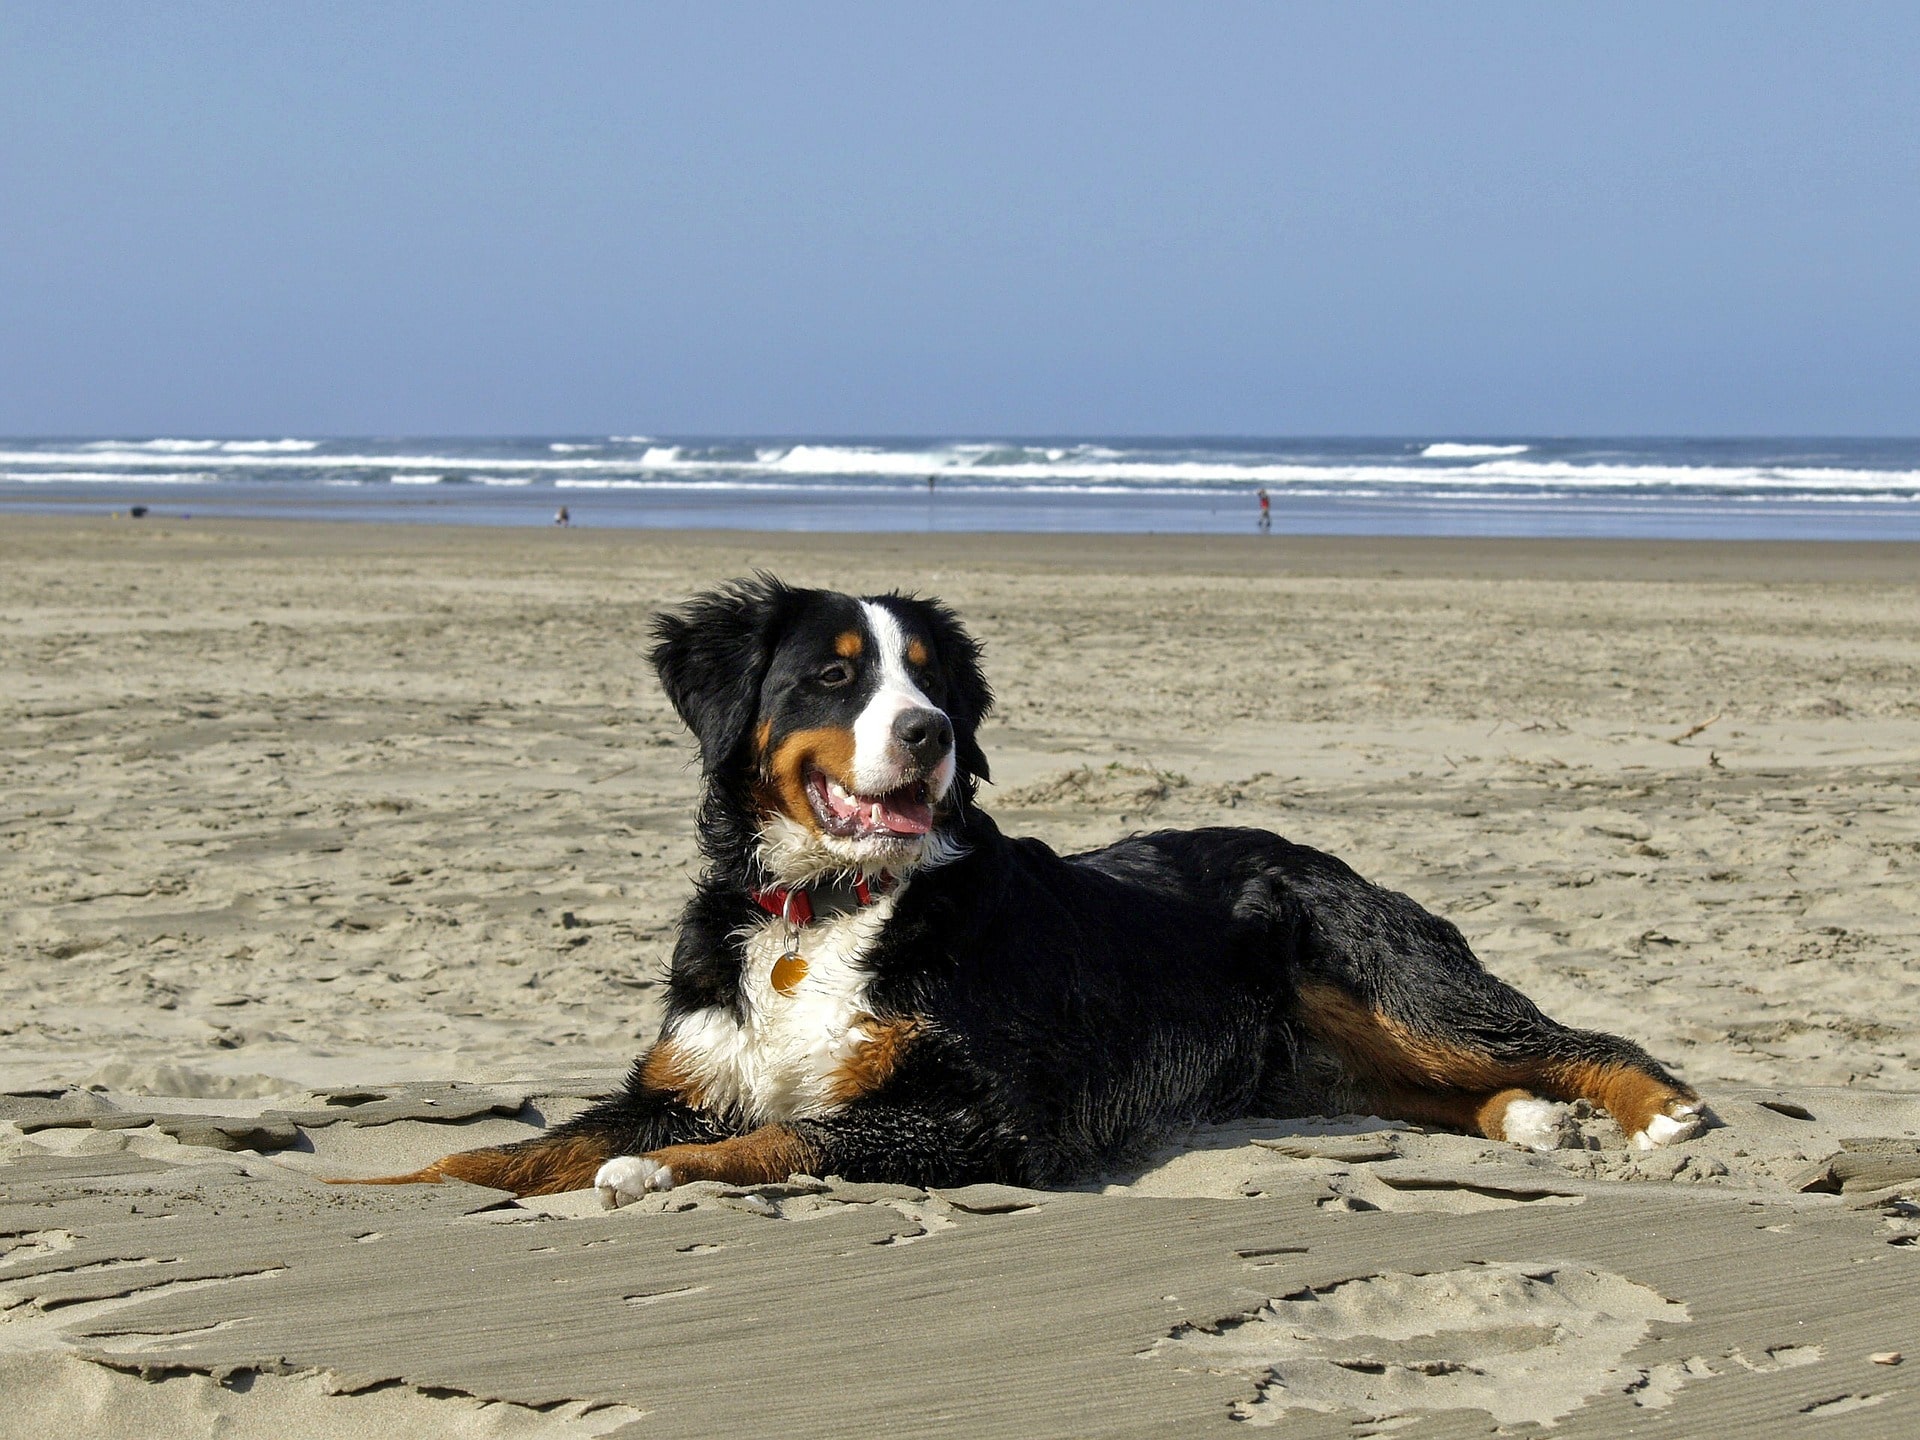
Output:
[[666, 1070], [1382, 1049], [535, 1167], [1405, 1068], [1632, 1097], [549, 1165], [1480, 1114], [872, 1064], [763, 1156]]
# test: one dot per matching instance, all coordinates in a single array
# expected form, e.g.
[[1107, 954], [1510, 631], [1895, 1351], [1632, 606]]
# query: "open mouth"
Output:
[[899, 813]]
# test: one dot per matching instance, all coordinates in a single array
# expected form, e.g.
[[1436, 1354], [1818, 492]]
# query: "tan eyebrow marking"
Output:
[[916, 652], [848, 645]]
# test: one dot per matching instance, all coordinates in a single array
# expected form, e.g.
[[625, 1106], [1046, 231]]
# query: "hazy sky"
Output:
[[1353, 218]]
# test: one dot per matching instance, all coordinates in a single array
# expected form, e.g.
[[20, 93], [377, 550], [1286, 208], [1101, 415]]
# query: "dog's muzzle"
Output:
[[925, 735]]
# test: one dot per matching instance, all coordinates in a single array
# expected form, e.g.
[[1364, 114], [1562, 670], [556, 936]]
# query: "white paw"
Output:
[[625, 1178], [1539, 1124], [1683, 1122]]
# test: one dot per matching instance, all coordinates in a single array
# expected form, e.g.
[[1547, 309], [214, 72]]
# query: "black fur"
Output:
[[1078, 1008]]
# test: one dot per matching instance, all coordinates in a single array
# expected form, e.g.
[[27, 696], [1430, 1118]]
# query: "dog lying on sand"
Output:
[[871, 980]]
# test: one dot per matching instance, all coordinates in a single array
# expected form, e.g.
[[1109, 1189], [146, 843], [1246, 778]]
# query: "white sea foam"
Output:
[[164, 447], [201, 447], [1079, 468], [859, 460], [1449, 450], [560, 447], [101, 477], [1709, 477]]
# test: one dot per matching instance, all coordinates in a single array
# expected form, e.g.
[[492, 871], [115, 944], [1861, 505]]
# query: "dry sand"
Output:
[[328, 849]]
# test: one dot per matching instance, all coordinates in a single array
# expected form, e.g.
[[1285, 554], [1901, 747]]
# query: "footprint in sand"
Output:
[[1523, 1342]]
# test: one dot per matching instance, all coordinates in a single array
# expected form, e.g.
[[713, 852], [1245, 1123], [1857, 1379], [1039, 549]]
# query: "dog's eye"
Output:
[[835, 675]]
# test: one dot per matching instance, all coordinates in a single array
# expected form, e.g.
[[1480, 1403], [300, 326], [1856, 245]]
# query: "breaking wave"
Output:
[[1065, 483], [1448, 450]]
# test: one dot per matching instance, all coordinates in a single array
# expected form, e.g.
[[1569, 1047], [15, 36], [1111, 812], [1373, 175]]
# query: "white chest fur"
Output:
[[781, 1060]]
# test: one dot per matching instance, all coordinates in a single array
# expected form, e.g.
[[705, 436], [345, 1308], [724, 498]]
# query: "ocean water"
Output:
[[1838, 489]]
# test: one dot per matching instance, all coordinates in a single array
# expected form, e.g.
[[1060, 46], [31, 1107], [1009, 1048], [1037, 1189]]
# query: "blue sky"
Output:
[[1271, 219]]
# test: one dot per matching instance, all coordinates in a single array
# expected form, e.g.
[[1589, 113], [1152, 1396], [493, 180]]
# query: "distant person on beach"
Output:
[[931, 481], [562, 518], [1266, 511]]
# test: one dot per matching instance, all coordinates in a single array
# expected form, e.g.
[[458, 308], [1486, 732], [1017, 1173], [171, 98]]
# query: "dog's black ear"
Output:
[[711, 655], [969, 697]]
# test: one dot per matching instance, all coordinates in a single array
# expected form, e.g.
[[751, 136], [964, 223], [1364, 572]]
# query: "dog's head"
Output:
[[843, 727]]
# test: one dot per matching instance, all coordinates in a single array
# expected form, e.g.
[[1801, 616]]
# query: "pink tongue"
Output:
[[898, 813], [903, 815]]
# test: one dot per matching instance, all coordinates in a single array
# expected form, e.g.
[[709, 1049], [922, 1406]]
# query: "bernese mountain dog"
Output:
[[871, 980]]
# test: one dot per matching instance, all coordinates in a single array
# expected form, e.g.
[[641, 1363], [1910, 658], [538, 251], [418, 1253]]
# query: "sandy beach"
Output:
[[327, 849]]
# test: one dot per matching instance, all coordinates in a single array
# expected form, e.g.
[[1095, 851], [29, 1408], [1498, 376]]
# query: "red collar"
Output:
[[796, 906]]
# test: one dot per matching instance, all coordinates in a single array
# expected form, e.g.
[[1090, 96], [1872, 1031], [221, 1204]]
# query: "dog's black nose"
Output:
[[926, 735]]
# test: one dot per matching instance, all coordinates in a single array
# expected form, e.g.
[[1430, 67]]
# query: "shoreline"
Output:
[[1812, 561]]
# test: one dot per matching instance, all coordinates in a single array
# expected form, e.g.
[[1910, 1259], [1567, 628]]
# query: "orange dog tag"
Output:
[[788, 971]]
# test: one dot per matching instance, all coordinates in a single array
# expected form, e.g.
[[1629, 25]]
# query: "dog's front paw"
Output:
[[1682, 1120], [1540, 1125], [625, 1178]]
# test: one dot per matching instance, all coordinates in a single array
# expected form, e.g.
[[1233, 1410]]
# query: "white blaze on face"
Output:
[[878, 761]]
